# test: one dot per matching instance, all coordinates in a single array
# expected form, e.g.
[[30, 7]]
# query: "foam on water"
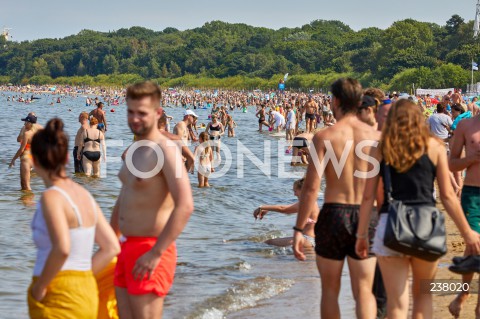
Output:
[[245, 294]]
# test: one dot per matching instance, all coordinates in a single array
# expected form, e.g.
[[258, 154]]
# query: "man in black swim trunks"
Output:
[[311, 108], [336, 227]]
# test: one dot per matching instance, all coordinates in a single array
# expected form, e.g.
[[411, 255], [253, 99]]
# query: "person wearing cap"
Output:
[[181, 129], [367, 110], [35, 128], [24, 152]]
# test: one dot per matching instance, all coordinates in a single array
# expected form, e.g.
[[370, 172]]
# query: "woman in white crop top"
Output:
[[65, 227]]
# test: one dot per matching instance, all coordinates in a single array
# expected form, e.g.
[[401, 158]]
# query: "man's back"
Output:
[[346, 142], [438, 124]]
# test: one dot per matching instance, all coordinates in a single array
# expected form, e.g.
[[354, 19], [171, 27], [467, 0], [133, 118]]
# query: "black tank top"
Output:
[[414, 187]]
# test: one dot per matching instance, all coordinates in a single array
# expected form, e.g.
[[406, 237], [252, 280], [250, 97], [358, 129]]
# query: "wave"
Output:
[[242, 295]]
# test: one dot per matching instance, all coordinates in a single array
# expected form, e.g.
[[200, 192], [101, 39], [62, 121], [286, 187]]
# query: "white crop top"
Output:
[[81, 239]]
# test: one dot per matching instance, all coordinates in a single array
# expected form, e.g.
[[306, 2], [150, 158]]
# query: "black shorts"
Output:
[[261, 120], [300, 142], [309, 116], [336, 229]]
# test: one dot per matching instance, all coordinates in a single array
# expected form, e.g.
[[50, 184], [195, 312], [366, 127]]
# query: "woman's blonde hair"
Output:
[[405, 136]]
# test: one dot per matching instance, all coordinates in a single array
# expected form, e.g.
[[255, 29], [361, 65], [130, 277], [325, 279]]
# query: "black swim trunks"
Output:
[[335, 231], [310, 116], [300, 142], [261, 120]]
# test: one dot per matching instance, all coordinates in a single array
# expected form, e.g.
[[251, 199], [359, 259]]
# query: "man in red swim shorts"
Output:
[[153, 207]]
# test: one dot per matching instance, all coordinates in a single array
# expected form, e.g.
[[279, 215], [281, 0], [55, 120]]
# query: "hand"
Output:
[[259, 213], [79, 157], [298, 242], [104, 158], [472, 240], [361, 248], [145, 266], [38, 293], [12, 163]]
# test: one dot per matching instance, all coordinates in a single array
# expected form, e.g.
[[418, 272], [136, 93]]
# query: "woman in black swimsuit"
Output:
[[215, 130], [261, 118], [90, 146]]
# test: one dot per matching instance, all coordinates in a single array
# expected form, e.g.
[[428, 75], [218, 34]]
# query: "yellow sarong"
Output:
[[107, 308], [71, 295]]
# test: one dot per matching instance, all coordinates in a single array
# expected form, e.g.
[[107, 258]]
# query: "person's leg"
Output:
[[123, 303], [395, 277], [422, 302], [294, 156], [330, 274], [25, 168], [455, 307], [206, 184], [201, 182], [379, 292], [362, 273], [87, 166], [146, 306], [96, 168], [477, 308]]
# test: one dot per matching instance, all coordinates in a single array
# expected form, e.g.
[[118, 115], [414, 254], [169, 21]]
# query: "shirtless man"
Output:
[[473, 107], [181, 129], [99, 114], [262, 118], [335, 231], [83, 120], [150, 212], [456, 97], [311, 108], [428, 101], [467, 135]]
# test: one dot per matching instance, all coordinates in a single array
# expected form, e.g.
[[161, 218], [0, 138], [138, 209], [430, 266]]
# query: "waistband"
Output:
[[138, 239], [471, 189], [340, 206], [71, 273]]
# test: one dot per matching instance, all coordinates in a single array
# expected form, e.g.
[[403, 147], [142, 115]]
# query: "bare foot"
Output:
[[456, 305]]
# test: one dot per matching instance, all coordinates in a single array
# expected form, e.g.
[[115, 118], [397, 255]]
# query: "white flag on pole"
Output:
[[474, 66]]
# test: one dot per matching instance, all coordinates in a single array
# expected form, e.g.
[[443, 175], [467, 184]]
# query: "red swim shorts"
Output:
[[160, 281]]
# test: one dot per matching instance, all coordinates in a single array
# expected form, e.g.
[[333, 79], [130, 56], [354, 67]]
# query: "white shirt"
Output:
[[437, 122]]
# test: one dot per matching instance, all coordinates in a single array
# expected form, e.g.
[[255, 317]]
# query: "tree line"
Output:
[[220, 54]]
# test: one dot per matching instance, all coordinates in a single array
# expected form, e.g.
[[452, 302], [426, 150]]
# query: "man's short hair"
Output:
[[349, 91], [140, 90], [440, 108]]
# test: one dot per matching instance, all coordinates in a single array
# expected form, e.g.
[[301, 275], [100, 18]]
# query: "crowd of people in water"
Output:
[[427, 148]]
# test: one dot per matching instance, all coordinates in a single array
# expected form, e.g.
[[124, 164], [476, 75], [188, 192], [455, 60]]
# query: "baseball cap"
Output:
[[367, 101], [190, 112], [30, 118]]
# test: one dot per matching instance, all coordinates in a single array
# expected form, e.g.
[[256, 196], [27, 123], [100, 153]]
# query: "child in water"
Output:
[[204, 157], [231, 126]]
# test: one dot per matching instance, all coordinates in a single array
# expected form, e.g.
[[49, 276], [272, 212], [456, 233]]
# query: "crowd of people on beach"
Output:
[[391, 148]]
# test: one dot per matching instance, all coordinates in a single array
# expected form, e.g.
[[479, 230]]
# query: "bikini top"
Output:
[[87, 139], [81, 239], [215, 128]]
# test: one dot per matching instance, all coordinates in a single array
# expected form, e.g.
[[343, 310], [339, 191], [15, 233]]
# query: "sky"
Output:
[[33, 19]]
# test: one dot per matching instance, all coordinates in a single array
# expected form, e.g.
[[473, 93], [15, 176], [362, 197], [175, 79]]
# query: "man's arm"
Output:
[[456, 163], [178, 185]]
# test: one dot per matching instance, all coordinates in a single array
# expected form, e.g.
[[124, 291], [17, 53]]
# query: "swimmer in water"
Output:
[[309, 233]]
